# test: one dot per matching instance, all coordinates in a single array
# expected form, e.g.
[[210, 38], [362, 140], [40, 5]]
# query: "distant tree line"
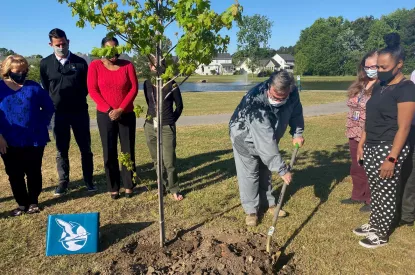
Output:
[[334, 46]]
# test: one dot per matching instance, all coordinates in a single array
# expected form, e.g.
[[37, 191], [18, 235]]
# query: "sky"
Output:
[[25, 24]]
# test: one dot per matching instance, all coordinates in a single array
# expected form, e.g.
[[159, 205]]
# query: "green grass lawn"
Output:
[[317, 233], [209, 103]]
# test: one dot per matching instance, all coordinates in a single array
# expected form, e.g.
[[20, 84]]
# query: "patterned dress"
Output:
[[355, 127]]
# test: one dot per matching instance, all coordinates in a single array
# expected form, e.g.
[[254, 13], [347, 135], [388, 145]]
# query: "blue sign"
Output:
[[72, 234]]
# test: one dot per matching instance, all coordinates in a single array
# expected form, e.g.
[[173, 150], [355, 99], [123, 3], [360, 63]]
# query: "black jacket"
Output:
[[170, 95], [67, 85]]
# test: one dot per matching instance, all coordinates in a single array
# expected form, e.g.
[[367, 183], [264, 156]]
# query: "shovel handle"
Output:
[[280, 198]]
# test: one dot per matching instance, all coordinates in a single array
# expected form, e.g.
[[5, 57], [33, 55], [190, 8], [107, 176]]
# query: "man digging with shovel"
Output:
[[256, 127]]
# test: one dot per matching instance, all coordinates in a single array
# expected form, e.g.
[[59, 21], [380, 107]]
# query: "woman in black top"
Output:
[[383, 146], [171, 95]]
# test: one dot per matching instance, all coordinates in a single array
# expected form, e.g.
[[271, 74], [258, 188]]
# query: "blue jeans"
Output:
[[61, 127]]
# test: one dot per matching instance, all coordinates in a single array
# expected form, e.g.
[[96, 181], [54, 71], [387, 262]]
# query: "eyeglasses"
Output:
[[374, 67], [278, 97]]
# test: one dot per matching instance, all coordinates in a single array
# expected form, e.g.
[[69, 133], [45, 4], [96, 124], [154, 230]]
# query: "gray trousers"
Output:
[[254, 179], [408, 181]]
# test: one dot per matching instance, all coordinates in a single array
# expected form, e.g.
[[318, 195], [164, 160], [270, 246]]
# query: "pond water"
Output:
[[241, 86]]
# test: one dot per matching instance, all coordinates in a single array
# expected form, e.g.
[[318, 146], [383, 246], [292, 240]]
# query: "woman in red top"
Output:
[[112, 84], [359, 94]]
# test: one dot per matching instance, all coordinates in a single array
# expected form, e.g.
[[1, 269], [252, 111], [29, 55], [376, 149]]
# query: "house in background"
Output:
[[278, 62], [272, 65], [264, 65], [286, 61], [221, 64]]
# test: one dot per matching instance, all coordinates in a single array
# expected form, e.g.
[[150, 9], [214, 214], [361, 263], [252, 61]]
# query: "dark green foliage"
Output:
[[334, 46]]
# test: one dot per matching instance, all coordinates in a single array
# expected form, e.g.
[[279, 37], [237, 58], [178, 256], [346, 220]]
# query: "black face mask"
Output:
[[19, 78], [388, 76]]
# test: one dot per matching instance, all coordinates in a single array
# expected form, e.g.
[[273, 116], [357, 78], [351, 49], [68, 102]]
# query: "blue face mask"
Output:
[[371, 73]]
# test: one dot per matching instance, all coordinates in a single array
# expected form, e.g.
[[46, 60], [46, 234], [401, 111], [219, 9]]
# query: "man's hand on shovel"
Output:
[[287, 178], [298, 140]]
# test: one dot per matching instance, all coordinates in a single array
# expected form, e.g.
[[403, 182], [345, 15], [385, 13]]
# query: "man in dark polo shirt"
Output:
[[64, 75]]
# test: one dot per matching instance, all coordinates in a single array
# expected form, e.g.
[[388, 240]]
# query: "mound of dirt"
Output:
[[204, 252]]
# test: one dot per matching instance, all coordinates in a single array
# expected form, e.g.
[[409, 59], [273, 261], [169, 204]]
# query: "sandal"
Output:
[[17, 212], [33, 208], [115, 196], [177, 197]]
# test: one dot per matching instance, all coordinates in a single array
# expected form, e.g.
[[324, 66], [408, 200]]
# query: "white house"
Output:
[[272, 65], [286, 61], [221, 64], [264, 65]]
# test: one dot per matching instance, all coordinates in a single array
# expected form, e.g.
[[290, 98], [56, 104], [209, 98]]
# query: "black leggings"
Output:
[[21, 162]]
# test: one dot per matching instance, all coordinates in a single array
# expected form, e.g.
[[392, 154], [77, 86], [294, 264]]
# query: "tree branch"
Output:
[[123, 37], [171, 21], [176, 86], [164, 57], [171, 80], [184, 80]]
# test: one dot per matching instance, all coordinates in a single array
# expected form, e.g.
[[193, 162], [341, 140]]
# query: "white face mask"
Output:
[[275, 103], [371, 73]]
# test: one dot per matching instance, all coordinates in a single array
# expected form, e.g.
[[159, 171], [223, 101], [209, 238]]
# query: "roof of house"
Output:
[[223, 56], [263, 62], [276, 64], [286, 57]]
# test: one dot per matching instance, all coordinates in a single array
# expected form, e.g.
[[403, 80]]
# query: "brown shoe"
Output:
[[251, 220], [282, 213]]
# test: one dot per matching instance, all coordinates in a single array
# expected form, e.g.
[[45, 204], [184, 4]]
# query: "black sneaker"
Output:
[[61, 190], [364, 230], [374, 241], [91, 188], [350, 201], [403, 223], [365, 208]]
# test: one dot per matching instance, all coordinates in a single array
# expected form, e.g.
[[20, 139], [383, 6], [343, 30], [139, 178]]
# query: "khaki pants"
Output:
[[170, 178]]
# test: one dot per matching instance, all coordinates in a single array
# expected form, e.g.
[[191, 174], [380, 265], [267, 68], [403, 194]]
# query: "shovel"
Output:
[[271, 230]]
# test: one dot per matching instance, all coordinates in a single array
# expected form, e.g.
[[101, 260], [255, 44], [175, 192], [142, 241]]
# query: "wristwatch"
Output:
[[392, 159]]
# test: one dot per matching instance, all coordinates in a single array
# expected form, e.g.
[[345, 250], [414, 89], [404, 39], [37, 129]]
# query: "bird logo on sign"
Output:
[[74, 235]]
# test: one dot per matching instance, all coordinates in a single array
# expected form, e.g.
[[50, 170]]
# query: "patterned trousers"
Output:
[[384, 192]]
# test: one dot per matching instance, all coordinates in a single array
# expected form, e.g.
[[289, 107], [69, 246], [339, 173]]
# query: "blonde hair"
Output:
[[12, 61]]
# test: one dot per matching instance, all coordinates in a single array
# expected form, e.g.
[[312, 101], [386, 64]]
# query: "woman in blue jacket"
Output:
[[25, 113]]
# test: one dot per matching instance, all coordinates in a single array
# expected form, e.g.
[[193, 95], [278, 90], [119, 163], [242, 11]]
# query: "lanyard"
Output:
[[360, 96]]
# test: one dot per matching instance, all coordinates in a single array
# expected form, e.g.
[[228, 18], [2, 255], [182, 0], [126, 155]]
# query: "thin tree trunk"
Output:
[[159, 84]]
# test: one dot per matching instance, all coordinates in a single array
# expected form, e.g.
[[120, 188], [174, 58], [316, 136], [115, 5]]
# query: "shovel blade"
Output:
[[276, 256]]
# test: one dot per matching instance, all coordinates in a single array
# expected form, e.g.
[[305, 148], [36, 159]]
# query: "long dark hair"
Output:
[[359, 84]]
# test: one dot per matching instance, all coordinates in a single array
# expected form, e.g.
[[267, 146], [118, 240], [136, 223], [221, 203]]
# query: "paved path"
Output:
[[315, 110]]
